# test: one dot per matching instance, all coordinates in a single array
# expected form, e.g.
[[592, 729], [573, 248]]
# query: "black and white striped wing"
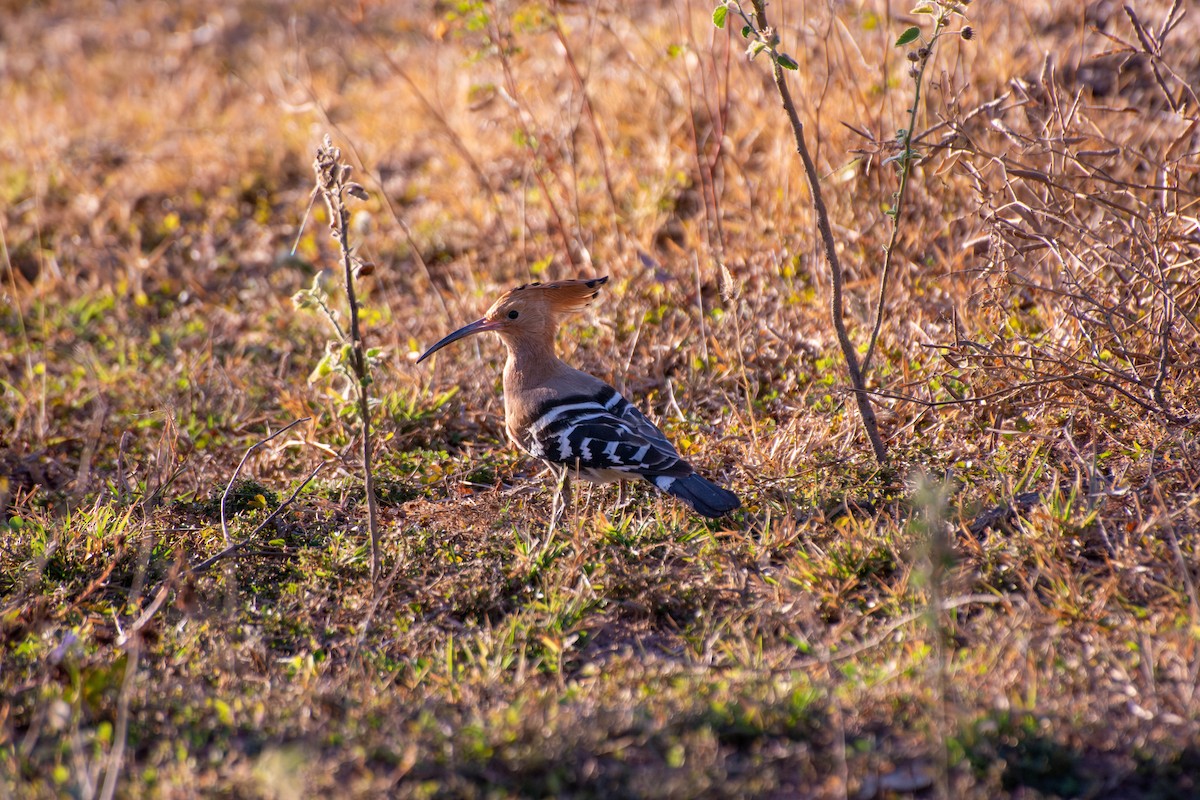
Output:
[[602, 433], [633, 417]]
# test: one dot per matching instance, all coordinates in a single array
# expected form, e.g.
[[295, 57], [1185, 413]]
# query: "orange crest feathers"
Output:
[[561, 296]]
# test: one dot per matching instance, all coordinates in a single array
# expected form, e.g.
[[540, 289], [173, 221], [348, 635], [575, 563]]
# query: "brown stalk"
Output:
[[907, 156], [861, 397], [332, 182], [238, 470], [238, 545]]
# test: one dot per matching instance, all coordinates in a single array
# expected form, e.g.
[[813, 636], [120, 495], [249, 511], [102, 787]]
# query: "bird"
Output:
[[574, 422]]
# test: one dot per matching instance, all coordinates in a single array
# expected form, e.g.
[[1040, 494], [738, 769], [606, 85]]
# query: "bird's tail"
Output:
[[702, 496]]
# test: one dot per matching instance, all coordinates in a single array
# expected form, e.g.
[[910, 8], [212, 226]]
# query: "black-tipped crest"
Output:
[[561, 296]]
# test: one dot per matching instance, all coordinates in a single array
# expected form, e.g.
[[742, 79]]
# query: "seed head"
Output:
[[968, 33]]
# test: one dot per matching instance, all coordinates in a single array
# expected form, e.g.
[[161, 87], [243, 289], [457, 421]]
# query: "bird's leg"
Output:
[[625, 499], [562, 498]]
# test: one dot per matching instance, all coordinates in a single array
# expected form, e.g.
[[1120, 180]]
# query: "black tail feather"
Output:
[[703, 496]]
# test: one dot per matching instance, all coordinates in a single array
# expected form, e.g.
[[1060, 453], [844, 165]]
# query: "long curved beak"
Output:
[[478, 326]]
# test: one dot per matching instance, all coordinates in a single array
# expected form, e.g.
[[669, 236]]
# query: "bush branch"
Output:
[[861, 397]]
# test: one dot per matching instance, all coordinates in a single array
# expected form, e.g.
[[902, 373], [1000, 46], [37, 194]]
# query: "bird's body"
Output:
[[575, 422]]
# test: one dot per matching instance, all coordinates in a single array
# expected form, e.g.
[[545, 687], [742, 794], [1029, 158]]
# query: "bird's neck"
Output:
[[531, 362]]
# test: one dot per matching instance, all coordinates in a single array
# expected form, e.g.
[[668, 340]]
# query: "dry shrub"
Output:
[[1091, 300]]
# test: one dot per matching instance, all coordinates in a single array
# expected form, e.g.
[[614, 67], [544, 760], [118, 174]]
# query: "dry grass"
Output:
[[1009, 609]]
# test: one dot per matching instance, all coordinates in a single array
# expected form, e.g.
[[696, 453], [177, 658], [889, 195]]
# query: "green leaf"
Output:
[[746, 31], [755, 48], [924, 8], [909, 35], [787, 62], [719, 15]]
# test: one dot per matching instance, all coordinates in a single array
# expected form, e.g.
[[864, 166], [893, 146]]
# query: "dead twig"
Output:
[[131, 642], [116, 758], [233, 548], [160, 596], [369, 618], [242, 463]]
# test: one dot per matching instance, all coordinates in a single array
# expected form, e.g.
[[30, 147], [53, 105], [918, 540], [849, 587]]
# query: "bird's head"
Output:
[[529, 311]]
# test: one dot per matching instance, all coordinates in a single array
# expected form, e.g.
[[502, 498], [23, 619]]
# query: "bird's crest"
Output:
[[561, 297]]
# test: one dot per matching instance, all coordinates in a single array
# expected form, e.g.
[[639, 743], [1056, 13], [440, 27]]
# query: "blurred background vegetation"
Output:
[[1009, 608]]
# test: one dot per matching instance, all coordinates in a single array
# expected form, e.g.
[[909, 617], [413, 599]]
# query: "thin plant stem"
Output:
[[238, 545], [862, 398], [906, 158], [242, 463], [359, 363], [333, 183]]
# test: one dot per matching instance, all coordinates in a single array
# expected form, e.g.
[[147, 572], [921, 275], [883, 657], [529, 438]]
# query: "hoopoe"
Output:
[[576, 423]]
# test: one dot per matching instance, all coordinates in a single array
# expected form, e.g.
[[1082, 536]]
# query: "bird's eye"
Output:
[[513, 314]]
